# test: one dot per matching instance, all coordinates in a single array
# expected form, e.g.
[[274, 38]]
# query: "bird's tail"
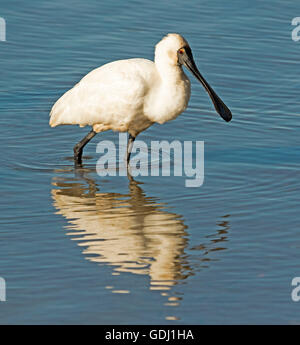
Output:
[[53, 120], [61, 113]]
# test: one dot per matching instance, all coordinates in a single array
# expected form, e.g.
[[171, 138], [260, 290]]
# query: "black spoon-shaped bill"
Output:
[[185, 57]]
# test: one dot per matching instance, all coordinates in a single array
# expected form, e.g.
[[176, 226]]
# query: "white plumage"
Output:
[[129, 95]]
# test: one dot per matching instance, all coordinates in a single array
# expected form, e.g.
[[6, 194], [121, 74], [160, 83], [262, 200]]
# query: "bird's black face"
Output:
[[185, 57]]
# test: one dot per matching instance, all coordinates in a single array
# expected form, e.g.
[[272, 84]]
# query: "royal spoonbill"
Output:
[[131, 95]]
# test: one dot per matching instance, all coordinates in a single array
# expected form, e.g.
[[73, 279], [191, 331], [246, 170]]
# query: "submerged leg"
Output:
[[131, 139], [78, 148]]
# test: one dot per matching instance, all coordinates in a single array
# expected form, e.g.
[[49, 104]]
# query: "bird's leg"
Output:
[[131, 140], [78, 148]]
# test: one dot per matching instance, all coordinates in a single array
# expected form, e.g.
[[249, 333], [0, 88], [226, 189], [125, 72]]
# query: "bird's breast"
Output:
[[168, 100]]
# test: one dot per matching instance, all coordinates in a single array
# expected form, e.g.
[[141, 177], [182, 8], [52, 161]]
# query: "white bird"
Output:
[[131, 95]]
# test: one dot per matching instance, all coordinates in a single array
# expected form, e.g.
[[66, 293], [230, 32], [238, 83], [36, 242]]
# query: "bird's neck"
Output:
[[169, 73]]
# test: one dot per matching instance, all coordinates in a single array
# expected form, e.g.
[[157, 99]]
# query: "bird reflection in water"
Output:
[[132, 232]]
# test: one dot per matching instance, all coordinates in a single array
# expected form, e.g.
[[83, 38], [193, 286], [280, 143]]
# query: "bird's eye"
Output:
[[181, 51]]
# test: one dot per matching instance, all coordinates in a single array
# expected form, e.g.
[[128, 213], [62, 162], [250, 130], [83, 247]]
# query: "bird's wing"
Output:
[[111, 94]]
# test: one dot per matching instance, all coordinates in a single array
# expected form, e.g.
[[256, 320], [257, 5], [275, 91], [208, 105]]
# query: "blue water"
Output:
[[78, 248]]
